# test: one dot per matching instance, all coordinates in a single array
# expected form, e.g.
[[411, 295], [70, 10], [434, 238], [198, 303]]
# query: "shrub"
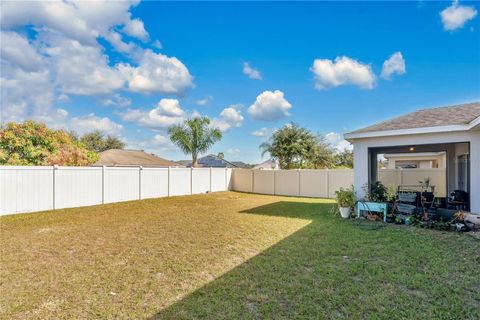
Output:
[[346, 197]]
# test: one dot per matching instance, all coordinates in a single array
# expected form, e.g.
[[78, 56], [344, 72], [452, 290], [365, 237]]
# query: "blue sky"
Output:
[[132, 69]]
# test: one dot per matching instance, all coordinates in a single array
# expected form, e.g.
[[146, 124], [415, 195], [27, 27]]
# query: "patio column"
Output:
[[475, 172], [360, 165]]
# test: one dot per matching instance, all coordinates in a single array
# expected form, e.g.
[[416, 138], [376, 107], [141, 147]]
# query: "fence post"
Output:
[[140, 169], [191, 180], [298, 181], [328, 183], [226, 173], [168, 182], [253, 179], [210, 179], [54, 168], [103, 184], [273, 181]]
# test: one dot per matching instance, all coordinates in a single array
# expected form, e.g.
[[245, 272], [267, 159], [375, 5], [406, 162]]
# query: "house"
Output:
[[454, 130], [208, 161], [119, 157], [267, 165]]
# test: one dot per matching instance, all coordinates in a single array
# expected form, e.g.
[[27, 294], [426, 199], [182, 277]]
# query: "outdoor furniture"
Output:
[[372, 207], [406, 204], [458, 200]]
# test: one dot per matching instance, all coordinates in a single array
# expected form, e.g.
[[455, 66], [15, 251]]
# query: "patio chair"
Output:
[[406, 203]]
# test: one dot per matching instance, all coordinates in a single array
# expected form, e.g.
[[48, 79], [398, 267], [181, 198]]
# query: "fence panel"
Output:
[[339, 179], [78, 186], [242, 180], [263, 181], [218, 179], [180, 181], [305, 183], [314, 183], [26, 189], [154, 182], [286, 182], [200, 180], [121, 184]]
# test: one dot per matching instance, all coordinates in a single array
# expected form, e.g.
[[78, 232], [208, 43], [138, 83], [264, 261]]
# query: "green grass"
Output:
[[231, 255]]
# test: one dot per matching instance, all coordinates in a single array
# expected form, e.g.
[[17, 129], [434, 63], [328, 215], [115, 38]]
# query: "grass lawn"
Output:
[[231, 255]]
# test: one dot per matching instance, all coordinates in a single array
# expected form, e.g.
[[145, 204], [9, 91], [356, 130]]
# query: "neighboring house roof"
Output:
[[266, 165], [210, 160], [457, 117], [241, 164], [118, 157]]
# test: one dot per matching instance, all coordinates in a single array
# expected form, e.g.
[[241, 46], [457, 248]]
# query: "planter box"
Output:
[[373, 207]]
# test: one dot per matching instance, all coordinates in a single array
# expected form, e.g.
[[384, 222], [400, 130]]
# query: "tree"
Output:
[[96, 141], [32, 143], [293, 147], [324, 156], [194, 136], [344, 159]]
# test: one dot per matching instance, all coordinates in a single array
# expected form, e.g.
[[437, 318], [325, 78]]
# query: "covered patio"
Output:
[[438, 151]]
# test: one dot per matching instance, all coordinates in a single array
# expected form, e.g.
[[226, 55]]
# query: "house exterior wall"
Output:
[[361, 157]]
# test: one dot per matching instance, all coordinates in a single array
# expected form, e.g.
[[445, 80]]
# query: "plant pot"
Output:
[[345, 212]]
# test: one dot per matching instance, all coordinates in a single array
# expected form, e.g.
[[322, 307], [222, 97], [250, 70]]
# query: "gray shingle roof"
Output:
[[443, 116], [118, 157]]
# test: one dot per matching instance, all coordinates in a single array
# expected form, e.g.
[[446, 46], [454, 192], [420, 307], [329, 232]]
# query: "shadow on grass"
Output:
[[333, 269]]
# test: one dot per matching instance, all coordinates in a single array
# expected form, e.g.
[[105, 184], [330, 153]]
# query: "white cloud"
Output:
[[115, 39], [337, 141], [157, 44], [204, 101], [168, 112], [230, 117], [394, 65], [456, 15], [260, 132], [81, 69], [234, 151], [63, 98], [18, 50], [342, 71], [116, 101], [91, 122], [80, 20], [270, 106], [251, 72], [157, 73], [135, 28], [25, 95], [64, 57], [170, 107], [158, 144]]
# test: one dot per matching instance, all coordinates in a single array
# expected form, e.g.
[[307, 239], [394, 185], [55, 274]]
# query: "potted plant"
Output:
[[346, 201]]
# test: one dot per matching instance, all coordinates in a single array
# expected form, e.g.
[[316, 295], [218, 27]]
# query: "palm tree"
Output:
[[194, 136]]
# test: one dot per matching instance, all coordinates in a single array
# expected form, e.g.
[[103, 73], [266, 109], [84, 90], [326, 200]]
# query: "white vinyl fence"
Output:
[[28, 188], [303, 183]]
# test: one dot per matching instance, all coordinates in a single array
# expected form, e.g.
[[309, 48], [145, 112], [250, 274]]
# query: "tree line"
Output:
[[32, 143]]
